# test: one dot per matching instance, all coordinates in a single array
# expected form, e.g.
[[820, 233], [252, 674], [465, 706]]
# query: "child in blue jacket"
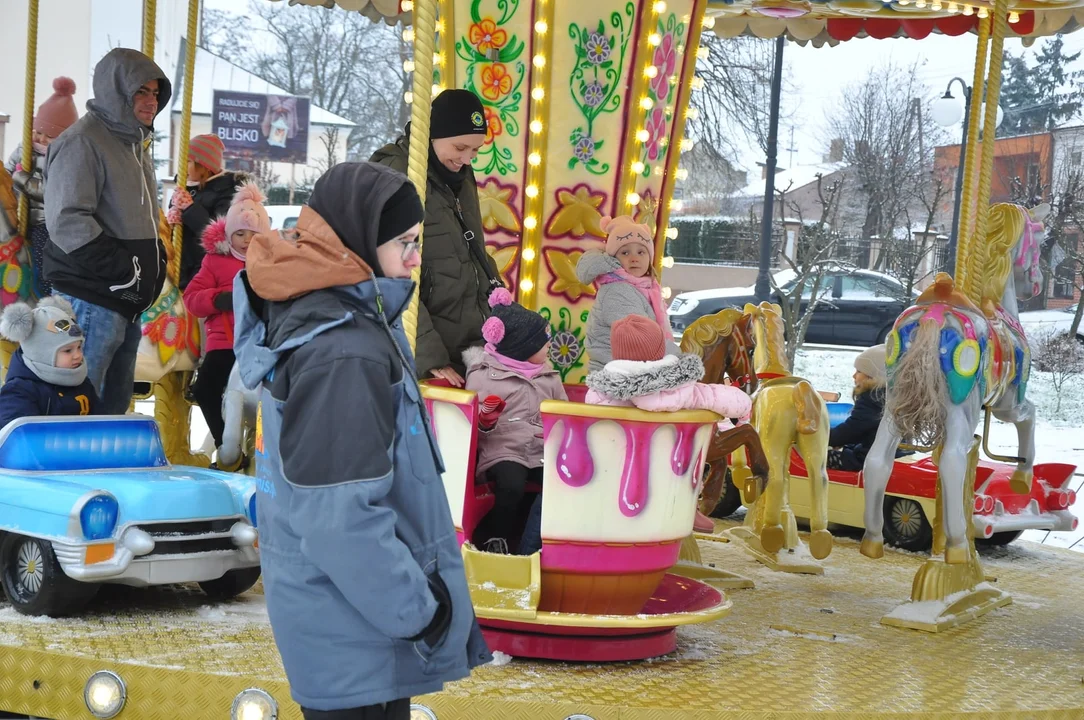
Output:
[[47, 375]]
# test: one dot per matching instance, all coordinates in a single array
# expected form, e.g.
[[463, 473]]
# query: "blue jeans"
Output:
[[109, 351], [531, 542]]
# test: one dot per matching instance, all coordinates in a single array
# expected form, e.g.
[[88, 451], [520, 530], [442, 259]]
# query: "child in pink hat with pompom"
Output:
[[53, 117], [210, 295], [513, 376]]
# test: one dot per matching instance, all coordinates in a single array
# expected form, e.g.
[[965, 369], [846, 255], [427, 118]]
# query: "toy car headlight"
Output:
[[104, 694], [252, 509], [254, 704], [98, 517], [421, 712]]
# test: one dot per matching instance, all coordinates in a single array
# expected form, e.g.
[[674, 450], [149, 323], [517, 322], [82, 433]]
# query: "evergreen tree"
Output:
[[1040, 95]]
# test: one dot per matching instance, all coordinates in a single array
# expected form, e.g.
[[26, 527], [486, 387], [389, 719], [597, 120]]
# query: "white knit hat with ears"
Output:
[[247, 211], [41, 332]]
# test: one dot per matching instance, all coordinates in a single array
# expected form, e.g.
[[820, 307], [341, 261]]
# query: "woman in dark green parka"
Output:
[[457, 273]]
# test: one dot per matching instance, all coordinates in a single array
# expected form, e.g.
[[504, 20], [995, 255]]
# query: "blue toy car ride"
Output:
[[85, 501]]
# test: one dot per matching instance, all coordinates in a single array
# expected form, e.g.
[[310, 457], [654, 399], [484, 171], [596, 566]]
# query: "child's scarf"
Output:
[[647, 286], [525, 368]]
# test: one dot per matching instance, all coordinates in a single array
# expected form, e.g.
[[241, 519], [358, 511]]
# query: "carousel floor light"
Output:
[[797, 646]]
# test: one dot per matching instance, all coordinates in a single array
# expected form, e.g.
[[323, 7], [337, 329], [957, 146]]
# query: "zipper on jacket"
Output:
[[154, 227]]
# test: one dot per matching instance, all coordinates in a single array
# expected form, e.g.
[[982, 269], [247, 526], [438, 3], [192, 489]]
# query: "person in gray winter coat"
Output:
[[101, 210], [362, 571]]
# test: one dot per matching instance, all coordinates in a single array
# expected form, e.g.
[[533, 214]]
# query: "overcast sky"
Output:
[[818, 76]]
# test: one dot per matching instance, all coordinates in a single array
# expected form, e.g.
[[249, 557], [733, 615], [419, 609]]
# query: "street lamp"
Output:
[[946, 112]]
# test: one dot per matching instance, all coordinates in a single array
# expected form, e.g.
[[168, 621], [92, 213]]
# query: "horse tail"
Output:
[[918, 396], [807, 405]]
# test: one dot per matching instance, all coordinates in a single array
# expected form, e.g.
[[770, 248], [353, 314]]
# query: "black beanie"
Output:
[[455, 113], [515, 331], [402, 211]]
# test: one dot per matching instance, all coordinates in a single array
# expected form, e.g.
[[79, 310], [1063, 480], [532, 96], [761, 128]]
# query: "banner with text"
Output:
[[262, 127]]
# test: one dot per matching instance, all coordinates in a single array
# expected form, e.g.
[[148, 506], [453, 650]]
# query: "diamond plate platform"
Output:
[[795, 647]]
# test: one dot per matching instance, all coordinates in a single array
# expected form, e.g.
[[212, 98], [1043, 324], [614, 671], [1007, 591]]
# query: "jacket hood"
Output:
[[117, 76], [18, 368], [626, 379], [214, 238], [259, 342], [593, 264]]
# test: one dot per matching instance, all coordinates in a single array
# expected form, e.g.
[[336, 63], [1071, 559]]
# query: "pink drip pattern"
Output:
[[683, 448]]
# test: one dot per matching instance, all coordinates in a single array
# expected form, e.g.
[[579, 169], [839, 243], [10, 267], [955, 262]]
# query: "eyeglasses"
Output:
[[66, 326], [409, 248]]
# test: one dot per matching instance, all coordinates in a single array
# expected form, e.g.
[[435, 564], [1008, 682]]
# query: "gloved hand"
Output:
[[223, 301], [489, 410], [181, 199], [173, 217], [442, 618]]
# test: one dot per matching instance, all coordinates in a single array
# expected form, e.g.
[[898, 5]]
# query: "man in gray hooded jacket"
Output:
[[101, 209]]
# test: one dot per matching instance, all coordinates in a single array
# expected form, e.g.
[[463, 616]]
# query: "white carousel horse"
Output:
[[947, 359], [239, 416]]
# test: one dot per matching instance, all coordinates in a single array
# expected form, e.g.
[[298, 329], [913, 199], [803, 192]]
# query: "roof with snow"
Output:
[[795, 177], [217, 73]]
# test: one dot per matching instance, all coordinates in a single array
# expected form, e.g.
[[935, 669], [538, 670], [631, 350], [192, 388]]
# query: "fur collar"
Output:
[[473, 357], [626, 379]]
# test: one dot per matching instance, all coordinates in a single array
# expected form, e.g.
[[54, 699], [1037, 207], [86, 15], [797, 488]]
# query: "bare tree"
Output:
[[1062, 357], [809, 263], [330, 140], [888, 143], [1068, 203], [910, 256]]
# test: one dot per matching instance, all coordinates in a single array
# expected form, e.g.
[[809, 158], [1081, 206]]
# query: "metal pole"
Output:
[[950, 265], [763, 285]]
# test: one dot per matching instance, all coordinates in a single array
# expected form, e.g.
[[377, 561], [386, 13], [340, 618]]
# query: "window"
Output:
[[1075, 158], [1063, 279], [863, 287]]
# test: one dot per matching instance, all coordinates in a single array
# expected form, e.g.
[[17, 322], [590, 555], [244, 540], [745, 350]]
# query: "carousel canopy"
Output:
[[831, 21]]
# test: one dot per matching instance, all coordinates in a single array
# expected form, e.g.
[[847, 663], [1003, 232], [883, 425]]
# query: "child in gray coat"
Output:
[[627, 285]]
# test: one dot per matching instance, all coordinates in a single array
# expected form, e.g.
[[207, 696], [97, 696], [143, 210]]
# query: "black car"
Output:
[[857, 307]]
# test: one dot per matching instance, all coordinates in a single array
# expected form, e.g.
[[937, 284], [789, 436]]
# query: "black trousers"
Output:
[[510, 510], [210, 385], [395, 710]]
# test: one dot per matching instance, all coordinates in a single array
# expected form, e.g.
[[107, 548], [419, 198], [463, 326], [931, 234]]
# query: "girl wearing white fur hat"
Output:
[[47, 375], [851, 440]]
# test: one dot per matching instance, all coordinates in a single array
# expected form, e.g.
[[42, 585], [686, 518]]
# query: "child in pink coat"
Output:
[[512, 376], [210, 295]]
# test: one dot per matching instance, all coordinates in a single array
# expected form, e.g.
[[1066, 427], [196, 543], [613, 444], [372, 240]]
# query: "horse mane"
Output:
[[710, 335], [1005, 230]]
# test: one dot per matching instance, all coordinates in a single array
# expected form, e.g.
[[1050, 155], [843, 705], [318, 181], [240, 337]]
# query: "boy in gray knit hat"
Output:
[[47, 375]]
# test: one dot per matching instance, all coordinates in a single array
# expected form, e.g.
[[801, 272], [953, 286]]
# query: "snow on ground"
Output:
[[1059, 436]]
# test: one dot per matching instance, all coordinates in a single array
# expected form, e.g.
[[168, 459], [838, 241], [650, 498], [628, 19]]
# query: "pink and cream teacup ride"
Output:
[[621, 488]]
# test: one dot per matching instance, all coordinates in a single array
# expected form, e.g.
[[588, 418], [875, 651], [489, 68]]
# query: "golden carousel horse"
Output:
[[787, 413]]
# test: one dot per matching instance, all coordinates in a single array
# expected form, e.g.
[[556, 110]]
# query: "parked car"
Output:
[[94, 500], [283, 217], [857, 307]]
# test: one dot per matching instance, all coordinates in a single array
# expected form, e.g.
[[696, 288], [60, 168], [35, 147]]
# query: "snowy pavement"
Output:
[[1059, 435]]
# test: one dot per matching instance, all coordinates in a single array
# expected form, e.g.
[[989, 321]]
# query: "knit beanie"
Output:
[[41, 332], [635, 337], [247, 211], [872, 363], [402, 211], [207, 151], [622, 230], [455, 113], [513, 330], [58, 112]]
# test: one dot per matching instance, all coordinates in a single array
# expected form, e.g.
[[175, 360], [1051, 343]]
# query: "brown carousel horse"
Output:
[[724, 341]]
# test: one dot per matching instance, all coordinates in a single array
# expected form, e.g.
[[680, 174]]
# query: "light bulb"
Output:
[[654, 39], [536, 126], [646, 103], [528, 254], [671, 234], [439, 26], [692, 113], [702, 52], [637, 167], [682, 174], [408, 66], [438, 58], [709, 22], [666, 293], [697, 83], [406, 6], [1014, 17], [953, 7], [936, 5], [539, 61], [541, 27], [686, 144], [530, 222], [668, 262], [968, 10], [676, 205], [538, 93], [632, 198], [526, 285], [659, 6], [437, 90], [408, 97], [651, 72], [534, 159], [903, 3], [983, 13], [531, 191], [408, 35], [642, 135], [920, 4]]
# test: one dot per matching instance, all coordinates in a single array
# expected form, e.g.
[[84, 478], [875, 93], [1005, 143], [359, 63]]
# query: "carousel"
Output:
[[628, 611]]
